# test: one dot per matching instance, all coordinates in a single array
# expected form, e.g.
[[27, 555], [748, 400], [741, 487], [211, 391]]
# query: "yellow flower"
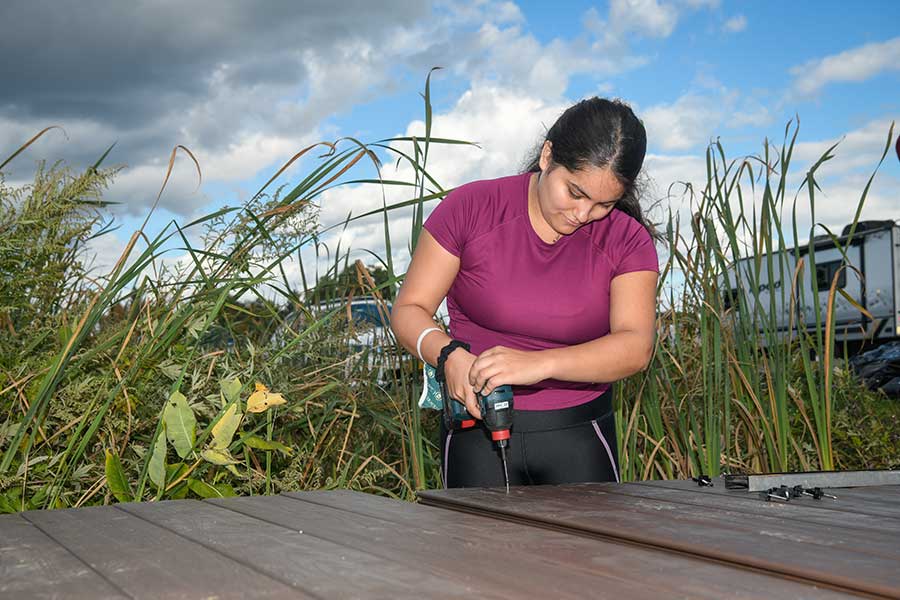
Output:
[[261, 400]]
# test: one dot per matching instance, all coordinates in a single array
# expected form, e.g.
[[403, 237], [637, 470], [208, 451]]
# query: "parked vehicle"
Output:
[[368, 335], [870, 276]]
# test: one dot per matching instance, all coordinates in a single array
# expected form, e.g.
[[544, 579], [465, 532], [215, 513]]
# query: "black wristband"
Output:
[[442, 357]]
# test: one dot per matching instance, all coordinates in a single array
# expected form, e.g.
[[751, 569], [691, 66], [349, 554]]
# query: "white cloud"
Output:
[[645, 17], [694, 118], [242, 123], [507, 12], [842, 181], [506, 123], [136, 188], [854, 65], [687, 122], [857, 149], [503, 52], [735, 24]]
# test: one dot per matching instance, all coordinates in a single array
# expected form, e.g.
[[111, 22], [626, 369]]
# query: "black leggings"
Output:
[[568, 445]]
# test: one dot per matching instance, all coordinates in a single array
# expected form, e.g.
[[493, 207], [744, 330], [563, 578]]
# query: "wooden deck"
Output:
[[641, 540]]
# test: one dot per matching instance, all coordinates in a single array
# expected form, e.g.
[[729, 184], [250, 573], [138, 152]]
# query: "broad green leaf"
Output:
[[180, 424], [234, 470], [218, 456], [179, 492], [223, 431], [6, 505], [231, 389], [115, 478], [158, 461], [225, 489], [176, 470], [259, 443], [205, 490]]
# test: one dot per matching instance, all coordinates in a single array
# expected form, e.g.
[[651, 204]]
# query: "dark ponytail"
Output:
[[601, 133]]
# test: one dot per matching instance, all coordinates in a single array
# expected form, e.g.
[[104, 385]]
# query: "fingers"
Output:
[[472, 404], [466, 396], [483, 379]]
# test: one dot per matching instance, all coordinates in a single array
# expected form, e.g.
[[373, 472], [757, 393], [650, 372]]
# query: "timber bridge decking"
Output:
[[654, 539]]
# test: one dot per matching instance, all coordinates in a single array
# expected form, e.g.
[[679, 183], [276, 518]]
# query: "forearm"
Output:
[[607, 359], [408, 321]]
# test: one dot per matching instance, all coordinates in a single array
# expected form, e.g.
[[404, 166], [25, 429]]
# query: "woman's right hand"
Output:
[[456, 373]]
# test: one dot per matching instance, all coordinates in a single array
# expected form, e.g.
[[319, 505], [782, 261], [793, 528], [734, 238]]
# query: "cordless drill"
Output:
[[497, 414]]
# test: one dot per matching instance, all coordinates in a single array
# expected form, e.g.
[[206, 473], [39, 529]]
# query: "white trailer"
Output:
[[874, 251]]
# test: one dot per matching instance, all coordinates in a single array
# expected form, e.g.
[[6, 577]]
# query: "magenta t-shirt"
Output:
[[513, 289]]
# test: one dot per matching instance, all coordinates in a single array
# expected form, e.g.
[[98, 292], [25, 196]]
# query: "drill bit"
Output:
[[505, 472]]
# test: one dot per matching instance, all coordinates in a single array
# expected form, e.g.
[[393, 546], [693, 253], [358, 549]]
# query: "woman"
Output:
[[550, 278]]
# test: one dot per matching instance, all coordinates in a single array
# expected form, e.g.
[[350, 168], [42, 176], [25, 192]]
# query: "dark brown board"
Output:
[[470, 558], [674, 575], [146, 561], [805, 509], [776, 545], [301, 560], [889, 495], [32, 565], [862, 503]]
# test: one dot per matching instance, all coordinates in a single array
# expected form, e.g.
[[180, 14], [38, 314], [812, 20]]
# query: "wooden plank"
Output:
[[485, 555], [799, 509], [32, 565], [877, 543], [682, 576], [860, 505], [146, 561], [777, 545], [314, 565]]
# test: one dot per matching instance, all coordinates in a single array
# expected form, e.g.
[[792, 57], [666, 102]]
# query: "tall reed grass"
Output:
[[142, 383], [728, 389]]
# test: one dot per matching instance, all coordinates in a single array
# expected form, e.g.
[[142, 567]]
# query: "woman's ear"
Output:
[[546, 155]]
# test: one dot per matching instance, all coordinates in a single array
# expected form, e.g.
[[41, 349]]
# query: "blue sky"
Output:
[[245, 90]]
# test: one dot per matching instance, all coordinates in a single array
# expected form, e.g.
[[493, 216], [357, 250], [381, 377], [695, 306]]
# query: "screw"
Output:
[[821, 493], [773, 494]]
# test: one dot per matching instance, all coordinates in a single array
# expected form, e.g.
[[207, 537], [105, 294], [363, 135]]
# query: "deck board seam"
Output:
[[583, 570], [623, 538], [116, 587], [439, 571], [857, 550], [613, 539], [216, 551], [825, 507], [848, 527]]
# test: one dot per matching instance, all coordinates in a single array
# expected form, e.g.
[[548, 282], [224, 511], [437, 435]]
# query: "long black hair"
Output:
[[601, 133]]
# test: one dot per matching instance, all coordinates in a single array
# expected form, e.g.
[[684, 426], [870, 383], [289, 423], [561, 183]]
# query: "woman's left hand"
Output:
[[499, 366]]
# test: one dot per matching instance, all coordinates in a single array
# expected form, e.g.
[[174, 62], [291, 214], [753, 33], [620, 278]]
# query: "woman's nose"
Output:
[[582, 212]]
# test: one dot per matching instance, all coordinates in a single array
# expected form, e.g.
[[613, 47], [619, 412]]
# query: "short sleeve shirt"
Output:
[[513, 289]]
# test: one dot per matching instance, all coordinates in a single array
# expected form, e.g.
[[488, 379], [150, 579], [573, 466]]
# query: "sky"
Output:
[[246, 85]]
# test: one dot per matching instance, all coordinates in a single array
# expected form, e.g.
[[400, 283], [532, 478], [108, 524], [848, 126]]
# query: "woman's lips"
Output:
[[573, 223]]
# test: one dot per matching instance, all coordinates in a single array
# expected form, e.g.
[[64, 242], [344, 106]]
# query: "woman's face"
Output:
[[570, 199]]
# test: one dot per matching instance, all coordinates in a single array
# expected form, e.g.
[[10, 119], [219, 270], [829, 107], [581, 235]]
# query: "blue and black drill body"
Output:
[[496, 412]]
